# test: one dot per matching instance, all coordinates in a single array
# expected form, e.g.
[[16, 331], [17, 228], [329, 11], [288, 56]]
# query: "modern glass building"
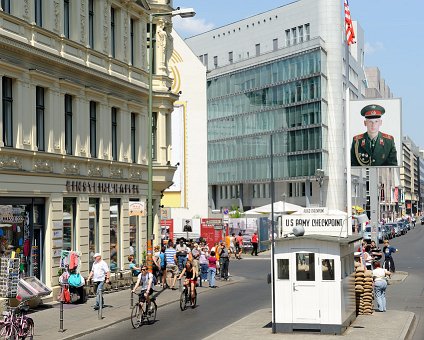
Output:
[[281, 73]]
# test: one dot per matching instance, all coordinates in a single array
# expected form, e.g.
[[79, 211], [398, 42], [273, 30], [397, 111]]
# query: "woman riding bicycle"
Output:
[[190, 280]]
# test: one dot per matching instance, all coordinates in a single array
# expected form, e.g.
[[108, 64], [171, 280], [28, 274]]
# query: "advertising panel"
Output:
[[212, 230], [375, 133], [325, 224], [166, 230]]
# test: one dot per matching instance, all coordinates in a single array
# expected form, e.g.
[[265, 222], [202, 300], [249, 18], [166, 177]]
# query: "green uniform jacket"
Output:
[[384, 153]]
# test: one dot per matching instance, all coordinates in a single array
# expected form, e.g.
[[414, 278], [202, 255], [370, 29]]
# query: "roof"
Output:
[[342, 240]]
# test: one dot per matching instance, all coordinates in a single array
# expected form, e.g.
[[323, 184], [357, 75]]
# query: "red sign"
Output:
[[212, 230], [166, 230]]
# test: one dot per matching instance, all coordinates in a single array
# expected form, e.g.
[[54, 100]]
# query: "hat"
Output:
[[372, 111], [97, 254]]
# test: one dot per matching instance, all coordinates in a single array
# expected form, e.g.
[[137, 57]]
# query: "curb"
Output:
[[98, 328], [409, 327]]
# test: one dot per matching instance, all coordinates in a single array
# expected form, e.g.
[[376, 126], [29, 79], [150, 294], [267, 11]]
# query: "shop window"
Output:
[[305, 267], [69, 217], [134, 227], [283, 269], [93, 235], [114, 234], [327, 266]]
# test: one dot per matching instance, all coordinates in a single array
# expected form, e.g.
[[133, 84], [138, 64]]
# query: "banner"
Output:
[[324, 224]]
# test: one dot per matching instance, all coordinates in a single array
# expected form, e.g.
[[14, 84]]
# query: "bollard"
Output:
[[132, 295], [100, 310], [61, 317]]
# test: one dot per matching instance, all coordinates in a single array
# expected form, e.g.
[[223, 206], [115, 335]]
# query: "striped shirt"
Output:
[[169, 253]]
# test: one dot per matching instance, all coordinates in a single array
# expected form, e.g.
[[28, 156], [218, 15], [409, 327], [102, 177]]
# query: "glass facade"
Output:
[[284, 97]]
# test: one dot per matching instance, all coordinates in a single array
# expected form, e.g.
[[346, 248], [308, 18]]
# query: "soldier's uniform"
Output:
[[381, 151]]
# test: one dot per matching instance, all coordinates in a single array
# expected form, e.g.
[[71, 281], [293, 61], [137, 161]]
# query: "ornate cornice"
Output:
[[136, 174], [42, 165], [116, 172], [10, 162], [71, 169], [95, 171]]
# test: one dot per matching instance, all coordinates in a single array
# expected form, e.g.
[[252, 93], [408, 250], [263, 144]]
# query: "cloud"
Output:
[[191, 26], [371, 48]]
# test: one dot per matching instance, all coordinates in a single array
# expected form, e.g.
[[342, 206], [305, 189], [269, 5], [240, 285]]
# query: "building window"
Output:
[[66, 18], [114, 233], [114, 134], [275, 44], [132, 40], [300, 30], [39, 117], [258, 49], [93, 234], [290, 189], [205, 60], [133, 138], [93, 129], [288, 41], [327, 266], [305, 267], [69, 221], [5, 5], [68, 124], [153, 45], [215, 61], [283, 269], [38, 4], [91, 23], [7, 104], [112, 31], [294, 35], [230, 57], [154, 135], [201, 58], [307, 32]]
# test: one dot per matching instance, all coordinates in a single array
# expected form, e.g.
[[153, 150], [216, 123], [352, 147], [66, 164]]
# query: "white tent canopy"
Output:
[[279, 207]]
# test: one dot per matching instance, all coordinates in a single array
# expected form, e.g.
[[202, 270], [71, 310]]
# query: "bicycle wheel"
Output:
[[10, 332], [183, 299], [29, 329], [136, 315], [194, 300], [151, 313]]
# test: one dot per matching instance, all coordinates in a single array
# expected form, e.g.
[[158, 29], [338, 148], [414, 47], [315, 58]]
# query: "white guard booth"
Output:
[[314, 275]]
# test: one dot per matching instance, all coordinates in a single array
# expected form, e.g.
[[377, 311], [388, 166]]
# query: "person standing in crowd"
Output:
[[380, 284], [224, 261], [156, 262], [212, 269], [203, 261], [233, 245], [162, 260], [132, 266], [254, 241], [367, 257], [182, 252], [239, 245], [171, 264], [99, 273], [388, 250], [195, 255]]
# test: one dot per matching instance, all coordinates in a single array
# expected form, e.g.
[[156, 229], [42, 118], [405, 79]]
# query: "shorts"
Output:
[[232, 249], [171, 269], [141, 297]]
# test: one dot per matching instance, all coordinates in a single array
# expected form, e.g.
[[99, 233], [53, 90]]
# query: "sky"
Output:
[[393, 42]]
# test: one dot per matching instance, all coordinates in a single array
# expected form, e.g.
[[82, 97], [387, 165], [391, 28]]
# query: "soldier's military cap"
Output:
[[372, 111]]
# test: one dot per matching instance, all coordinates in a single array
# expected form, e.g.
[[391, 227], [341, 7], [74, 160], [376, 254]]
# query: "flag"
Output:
[[350, 34]]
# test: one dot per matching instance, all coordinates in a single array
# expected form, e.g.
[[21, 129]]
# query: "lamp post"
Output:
[[183, 13], [319, 174]]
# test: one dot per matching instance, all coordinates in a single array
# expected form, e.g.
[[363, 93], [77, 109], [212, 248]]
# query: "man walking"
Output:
[[171, 263], [224, 261], [254, 241], [388, 250], [99, 272]]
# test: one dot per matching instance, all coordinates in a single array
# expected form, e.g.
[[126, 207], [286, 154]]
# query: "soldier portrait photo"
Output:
[[373, 147]]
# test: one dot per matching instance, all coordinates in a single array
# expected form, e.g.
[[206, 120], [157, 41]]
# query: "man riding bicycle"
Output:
[[190, 280], [146, 280]]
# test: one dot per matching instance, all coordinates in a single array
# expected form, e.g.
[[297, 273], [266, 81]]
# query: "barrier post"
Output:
[[100, 310]]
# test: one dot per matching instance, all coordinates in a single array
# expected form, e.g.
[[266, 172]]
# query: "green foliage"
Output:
[[235, 212]]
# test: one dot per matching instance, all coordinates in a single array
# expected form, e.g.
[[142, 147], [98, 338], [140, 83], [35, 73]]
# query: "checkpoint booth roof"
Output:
[[279, 207]]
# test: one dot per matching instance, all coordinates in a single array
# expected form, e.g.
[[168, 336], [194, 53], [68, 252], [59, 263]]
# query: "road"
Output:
[[216, 309], [409, 295]]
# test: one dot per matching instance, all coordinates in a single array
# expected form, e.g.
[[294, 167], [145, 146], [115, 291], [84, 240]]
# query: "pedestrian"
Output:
[[132, 266], [182, 251], [162, 259], [254, 241], [99, 273], [388, 250], [239, 245], [380, 284], [212, 269], [195, 255], [171, 264], [203, 261], [156, 262], [233, 245], [224, 261]]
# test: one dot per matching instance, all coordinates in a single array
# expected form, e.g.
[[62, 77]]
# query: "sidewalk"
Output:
[[82, 319]]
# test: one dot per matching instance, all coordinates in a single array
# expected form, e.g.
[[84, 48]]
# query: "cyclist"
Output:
[[146, 280], [190, 280]]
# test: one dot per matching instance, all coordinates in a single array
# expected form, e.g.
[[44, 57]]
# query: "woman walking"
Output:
[[212, 269], [380, 285]]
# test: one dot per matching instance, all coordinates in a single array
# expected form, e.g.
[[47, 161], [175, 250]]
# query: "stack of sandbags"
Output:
[[359, 288], [368, 295]]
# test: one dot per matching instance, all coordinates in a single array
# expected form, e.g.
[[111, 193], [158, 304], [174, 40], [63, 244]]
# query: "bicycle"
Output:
[[141, 313], [16, 325], [185, 297]]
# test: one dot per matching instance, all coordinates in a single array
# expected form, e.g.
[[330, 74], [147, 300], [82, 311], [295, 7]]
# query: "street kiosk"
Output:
[[314, 275]]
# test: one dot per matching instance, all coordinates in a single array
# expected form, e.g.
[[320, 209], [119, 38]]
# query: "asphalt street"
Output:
[[216, 309]]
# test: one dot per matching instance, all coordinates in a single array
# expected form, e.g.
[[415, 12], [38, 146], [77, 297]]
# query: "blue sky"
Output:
[[393, 37]]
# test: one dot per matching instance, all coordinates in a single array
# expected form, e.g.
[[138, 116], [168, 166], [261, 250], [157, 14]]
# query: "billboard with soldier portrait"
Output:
[[375, 133]]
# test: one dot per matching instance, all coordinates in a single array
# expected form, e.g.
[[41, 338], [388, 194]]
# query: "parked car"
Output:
[[422, 220], [366, 234], [387, 232], [391, 227], [403, 227]]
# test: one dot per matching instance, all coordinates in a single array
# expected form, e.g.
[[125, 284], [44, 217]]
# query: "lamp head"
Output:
[[184, 12]]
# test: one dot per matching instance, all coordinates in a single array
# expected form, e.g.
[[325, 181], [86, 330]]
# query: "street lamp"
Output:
[[183, 13], [319, 174]]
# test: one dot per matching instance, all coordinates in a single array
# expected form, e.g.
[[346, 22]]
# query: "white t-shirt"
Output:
[[144, 280], [379, 274], [99, 270]]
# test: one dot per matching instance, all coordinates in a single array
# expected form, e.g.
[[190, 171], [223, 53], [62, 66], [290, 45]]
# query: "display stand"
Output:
[[9, 276]]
